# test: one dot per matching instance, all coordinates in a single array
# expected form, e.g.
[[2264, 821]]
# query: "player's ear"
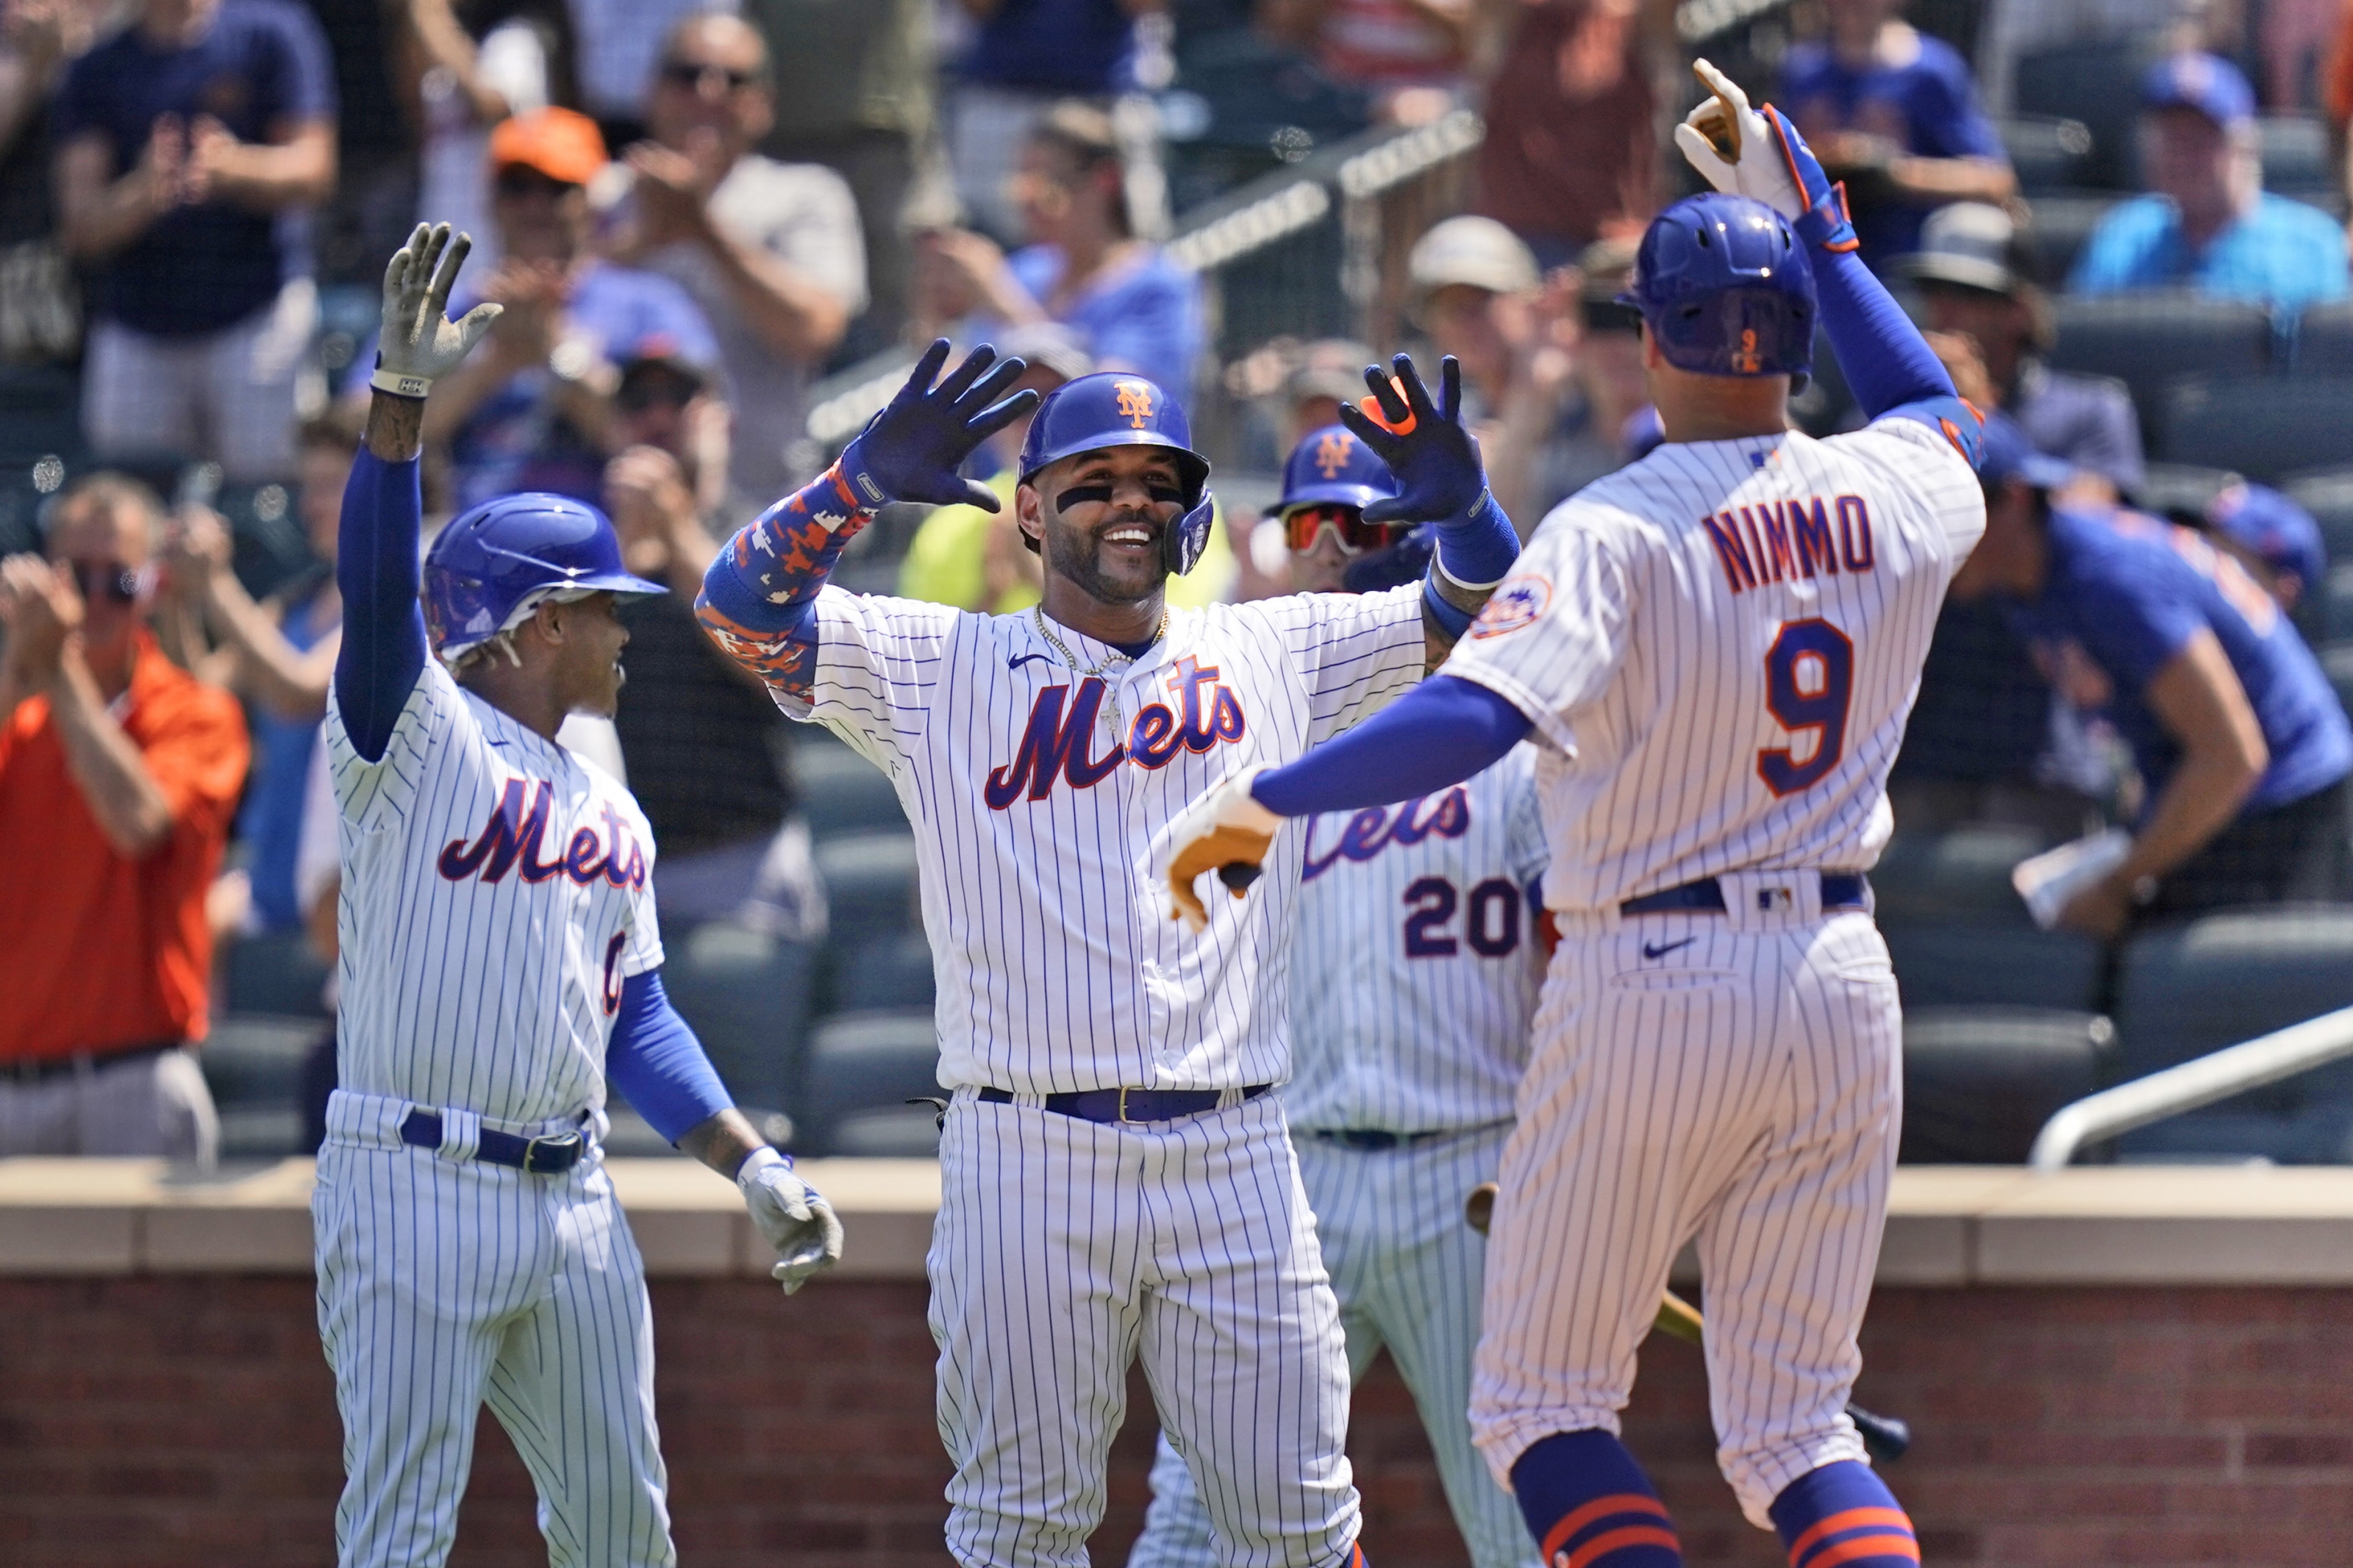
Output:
[[1029, 517]]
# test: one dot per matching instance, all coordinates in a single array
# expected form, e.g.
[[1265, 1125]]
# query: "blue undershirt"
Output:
[[655, 1059]]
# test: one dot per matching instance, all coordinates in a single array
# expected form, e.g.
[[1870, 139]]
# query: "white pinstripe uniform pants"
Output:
[[446, 1282], [1736, 1078], [1065, 1249], [1407, 1272]]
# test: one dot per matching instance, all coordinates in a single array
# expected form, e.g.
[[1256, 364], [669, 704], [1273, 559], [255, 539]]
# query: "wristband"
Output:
[[758, 1160], [1453, 618], [399, 386]]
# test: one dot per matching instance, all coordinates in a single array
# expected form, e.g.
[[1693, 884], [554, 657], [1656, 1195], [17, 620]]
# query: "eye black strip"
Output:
[[1079, 495]]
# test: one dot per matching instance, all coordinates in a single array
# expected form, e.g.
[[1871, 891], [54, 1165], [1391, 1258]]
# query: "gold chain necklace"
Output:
[[1111, 687]]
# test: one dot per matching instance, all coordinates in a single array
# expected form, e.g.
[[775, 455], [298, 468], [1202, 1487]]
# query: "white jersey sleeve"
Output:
[[1553, 634], [372, 795], [878, 666], [1356, 651], [1908, 453]]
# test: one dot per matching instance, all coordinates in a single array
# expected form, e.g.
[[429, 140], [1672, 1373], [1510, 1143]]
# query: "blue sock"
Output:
[[1590, 1506], [1843, 1516]]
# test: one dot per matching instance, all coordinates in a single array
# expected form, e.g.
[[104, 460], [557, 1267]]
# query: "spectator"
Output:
[[1025, 57], [277, 654], [41, 306], [615, 44], [531, 409], [474, 65], [2209, 224], [1572, 151], [2275, 540], [770, 251], [2235, 732], [707, 749], [1412, 54], [373, 203], [119, 773], [856, 90], [186, 145], [1976, 269], [979, 559], [1129, 306], [1894, 113]]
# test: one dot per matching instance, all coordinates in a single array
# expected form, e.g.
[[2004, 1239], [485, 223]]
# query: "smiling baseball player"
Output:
[[499, 957], [1117, 1181], [1413, 973], [1716, 648]]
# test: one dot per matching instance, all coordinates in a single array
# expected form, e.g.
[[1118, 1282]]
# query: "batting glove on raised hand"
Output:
[[798, 1223], [419, 342], [1758, 153], [1436, 461], [911, 450], [1225, 831]]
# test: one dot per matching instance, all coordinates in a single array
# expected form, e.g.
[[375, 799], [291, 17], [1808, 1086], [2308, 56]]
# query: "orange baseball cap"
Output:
[[562, 144]]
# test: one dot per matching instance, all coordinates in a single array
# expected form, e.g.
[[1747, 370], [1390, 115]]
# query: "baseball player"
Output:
[[1116, 1179], [499, 957], [1716, 648], [1414, 970]]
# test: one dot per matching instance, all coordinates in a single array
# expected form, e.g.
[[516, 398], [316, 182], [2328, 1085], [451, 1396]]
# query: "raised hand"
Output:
[[1758, 153], [1436, 461], [419, 342], [914, 447]]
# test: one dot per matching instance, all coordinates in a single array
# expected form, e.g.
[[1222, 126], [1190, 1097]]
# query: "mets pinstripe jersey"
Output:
[[496, 889], [1720, 644], [1416, 964], [1036, 787]]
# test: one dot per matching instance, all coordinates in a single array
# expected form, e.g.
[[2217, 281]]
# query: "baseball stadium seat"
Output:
[[253, 1065], [2263, 426], [2295, 154], [889, 975], [870, 886], [1963, 874], [40, 413], [2324, 340], [842, 791], [275, 973], [2048, 153], [1980, 1082], [2327, 495], [887, 1132], [744, 991], [2194, 987], [2150, 339], [2337, 604], [2061, 222], [864, 1063], [2099, 84], [2337, 660], [1975, 964]]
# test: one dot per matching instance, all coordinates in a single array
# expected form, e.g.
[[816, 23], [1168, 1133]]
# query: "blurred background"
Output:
[[721, 235]]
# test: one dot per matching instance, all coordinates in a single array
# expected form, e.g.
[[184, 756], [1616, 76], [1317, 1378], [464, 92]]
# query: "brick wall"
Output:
[[152, 1421]]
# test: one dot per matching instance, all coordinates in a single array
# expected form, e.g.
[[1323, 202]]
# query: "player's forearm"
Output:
[[1442, 731], [723, 1141], [383, 651], [2197, 802], [105, 763], [757, 596]]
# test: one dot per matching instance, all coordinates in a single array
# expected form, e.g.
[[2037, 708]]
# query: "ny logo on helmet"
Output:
[[1332, 454], [1135, 403]]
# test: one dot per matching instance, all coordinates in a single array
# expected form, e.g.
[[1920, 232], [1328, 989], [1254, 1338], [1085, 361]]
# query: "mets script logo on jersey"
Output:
[[1332, 455], [517, 829], [1206, 713], [1374, 829], [1519, 602], [1135, 402], [1780, 541]]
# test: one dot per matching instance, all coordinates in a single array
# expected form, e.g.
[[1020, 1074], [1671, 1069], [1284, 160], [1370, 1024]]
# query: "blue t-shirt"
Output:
[[1051, 46], [261, 66], [2282, 253], [2131, 590], [1146, 319], [1929, 108], [514, 441]]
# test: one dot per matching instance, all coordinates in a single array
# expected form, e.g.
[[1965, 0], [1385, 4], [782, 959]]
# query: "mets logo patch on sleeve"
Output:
[[1519, 602]]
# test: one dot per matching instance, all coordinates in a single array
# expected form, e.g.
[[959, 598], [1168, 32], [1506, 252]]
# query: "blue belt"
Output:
[[544, 1156], [1841, 890], [1113, 1106], [1370, 1140]]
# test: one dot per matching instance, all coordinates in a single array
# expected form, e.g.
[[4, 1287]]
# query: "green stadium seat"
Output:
[[2048, 151], [253, 1065], [2266, 427], [2150, 340], [1960, 875], [2061, 222], [1973, 965], [863, 1063], [887, 975], [1980, 1082], [842, 791], [746, 994], [869, 886]]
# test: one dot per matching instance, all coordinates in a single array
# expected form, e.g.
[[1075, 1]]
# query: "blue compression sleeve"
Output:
[[1887, 363], [1439, 734], [1479, 547], [655, 1059], [383, 631]]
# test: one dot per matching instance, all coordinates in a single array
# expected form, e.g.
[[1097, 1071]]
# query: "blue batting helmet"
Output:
[[504, 553], [1331, 466], [1113, 409], [1726, 289]]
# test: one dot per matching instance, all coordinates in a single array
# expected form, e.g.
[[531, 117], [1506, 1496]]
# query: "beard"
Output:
[[1076, 555]]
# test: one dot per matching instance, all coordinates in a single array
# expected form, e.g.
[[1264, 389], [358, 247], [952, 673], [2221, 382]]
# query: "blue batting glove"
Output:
[[911, 450], [1440, 475], [1825, 221]]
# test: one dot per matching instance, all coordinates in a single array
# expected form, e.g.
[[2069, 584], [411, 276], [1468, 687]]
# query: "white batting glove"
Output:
[[1225, 831], [1758, 166], [800, 1225], [419, 342]]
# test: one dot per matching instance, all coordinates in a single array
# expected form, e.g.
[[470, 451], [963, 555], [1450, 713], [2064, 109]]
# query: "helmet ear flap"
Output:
[[1183, 544]]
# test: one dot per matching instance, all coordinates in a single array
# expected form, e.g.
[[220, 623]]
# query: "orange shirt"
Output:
[[99, 952]]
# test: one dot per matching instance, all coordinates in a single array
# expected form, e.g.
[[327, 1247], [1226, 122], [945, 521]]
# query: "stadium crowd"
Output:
[[2123, 224]]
